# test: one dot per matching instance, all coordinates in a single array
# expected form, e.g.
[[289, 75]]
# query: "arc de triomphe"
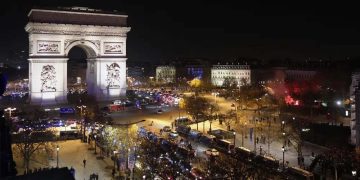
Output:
[[54, 32]]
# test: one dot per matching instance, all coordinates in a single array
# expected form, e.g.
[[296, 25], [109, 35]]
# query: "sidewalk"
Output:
[[71, 154], [275, 146]]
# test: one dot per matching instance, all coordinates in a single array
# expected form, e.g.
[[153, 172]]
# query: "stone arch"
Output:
[[91, 50], [53, 33]]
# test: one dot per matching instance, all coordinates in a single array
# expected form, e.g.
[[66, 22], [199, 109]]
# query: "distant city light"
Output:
[[19, 67], [338, 102]]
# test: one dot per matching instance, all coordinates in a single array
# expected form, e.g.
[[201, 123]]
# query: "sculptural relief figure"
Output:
[[48, 79], [113, 47], [113, 75]]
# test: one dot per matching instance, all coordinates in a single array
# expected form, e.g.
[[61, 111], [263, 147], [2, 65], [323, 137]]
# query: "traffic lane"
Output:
[[149, 115]]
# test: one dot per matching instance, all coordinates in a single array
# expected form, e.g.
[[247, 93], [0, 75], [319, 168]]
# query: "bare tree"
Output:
[[30, 140], [196, 107]]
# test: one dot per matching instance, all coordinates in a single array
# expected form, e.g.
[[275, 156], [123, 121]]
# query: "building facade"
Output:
[[355, 109], [165, 74], [237, 74], [299, 74]]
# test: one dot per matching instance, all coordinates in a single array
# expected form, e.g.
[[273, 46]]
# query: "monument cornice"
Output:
[[47, 60], [72, 29]]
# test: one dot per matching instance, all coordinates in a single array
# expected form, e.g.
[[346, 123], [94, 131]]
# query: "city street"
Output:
[[170, 113], [73, 152]]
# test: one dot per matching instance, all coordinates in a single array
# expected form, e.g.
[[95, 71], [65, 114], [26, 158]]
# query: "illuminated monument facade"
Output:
[[54, 32]]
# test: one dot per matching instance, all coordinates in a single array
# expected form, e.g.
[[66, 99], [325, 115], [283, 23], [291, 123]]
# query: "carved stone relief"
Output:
[[113, 75], [48, 78], [113, 47], [48, 46]]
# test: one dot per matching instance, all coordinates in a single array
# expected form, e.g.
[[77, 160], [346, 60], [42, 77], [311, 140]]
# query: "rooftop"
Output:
[[78, 16]]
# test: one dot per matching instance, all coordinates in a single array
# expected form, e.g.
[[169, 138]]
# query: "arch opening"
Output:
[[78, 71]]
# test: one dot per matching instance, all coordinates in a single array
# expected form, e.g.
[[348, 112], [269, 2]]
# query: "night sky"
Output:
[[164, 30]]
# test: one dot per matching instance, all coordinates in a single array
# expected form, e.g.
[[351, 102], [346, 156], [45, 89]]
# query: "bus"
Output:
[[267, 161], [224, 146], [298, 173], [243, 154]]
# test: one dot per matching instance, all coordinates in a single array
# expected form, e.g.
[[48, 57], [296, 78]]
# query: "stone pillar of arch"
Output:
[[53, 33]]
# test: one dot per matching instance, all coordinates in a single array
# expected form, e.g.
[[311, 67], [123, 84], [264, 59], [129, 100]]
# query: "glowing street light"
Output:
[[215, 94], [353, 173], [114, 158], [338, 102], [10, 110], [95, 143], [82, 123], [283, 150], [57, 156], [234, 137]]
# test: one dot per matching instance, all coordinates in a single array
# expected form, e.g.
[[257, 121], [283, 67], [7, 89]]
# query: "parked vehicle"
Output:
[[194, 134]]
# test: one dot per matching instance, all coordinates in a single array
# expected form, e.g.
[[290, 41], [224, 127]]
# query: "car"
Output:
[[182, 121], [212, 152], [159, 111], [173, 134], [195, 134], [166, 128], [208, 140], [104, 114], [197, 173]]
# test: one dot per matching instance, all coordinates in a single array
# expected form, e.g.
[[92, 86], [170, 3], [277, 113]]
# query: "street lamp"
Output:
[[353, 172], [57, 156], [215, 94], [234, 106], [242, 135], [114, 158], [10, 110], [283, 150], [95, 142], [82, 123], [284, 138], [234, 137]]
